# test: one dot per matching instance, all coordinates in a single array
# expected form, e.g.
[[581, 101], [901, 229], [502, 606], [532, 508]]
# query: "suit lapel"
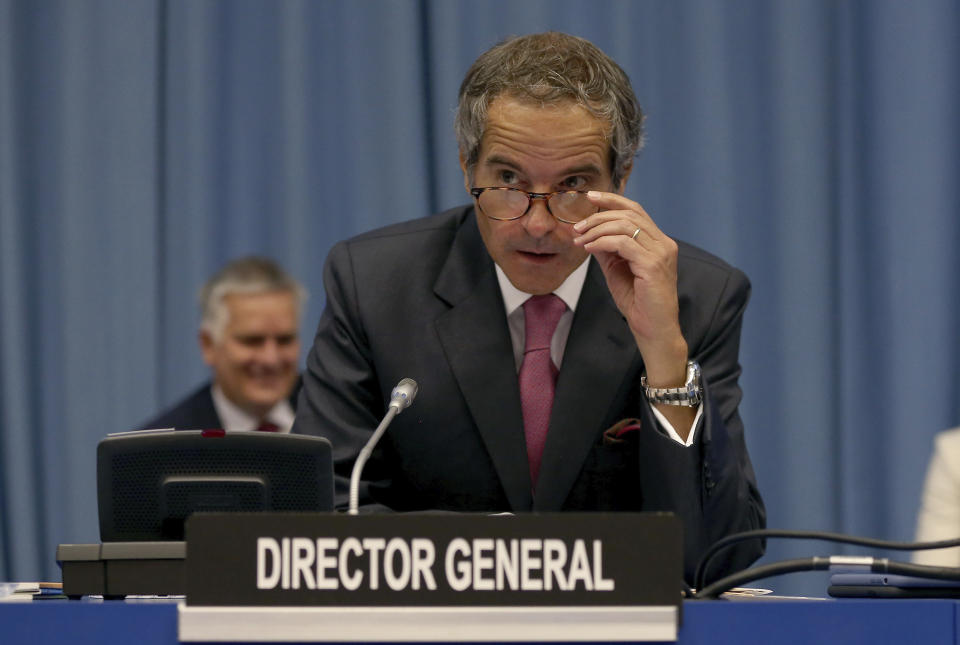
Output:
[[599, 353], [476, 341], [204, 414]]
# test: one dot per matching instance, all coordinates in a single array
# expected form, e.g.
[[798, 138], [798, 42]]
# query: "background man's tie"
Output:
[[538, 374], [267, 426]]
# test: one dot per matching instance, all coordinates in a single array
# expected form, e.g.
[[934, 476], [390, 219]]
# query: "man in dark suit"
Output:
[[249, 336], [570, 356]]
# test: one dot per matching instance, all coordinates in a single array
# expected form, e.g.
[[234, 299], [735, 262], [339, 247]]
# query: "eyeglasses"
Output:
[[504, 204]]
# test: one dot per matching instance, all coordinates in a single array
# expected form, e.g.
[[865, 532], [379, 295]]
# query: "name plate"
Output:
[[440, 560]]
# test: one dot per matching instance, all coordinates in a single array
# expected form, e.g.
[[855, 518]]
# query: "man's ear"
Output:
[[623, 180], [207, 346], [463, 168]]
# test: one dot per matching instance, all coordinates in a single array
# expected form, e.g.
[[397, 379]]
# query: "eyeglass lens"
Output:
[[511, 204]]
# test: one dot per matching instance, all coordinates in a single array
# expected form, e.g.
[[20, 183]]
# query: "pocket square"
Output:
[[618, 432]]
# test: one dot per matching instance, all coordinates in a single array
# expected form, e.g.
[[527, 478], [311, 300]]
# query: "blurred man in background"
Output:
[[249, 336], [939, 516]]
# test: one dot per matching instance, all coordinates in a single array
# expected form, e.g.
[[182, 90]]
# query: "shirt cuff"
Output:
[[672, 433]]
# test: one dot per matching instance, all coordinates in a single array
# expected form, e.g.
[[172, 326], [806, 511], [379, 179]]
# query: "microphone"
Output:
[[402, 395], [400, 398]]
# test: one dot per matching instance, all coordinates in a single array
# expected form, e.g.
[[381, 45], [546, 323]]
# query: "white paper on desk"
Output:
[[747, 592], [11, 591], [147, 431]]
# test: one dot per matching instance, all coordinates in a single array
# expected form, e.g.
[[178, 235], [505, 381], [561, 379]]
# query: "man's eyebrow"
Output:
[[587, 168], [502, 161]]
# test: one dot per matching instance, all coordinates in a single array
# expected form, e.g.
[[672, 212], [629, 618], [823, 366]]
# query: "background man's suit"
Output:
[[421, 300], [197, 411]]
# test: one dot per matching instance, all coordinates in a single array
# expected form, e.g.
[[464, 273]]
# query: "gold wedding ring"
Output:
[[635, 234]]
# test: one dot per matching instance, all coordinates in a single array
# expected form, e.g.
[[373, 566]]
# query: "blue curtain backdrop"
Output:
[[815, 144]]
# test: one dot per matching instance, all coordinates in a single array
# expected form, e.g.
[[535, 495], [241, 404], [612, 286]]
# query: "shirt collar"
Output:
[[568, 291], [234, 418]]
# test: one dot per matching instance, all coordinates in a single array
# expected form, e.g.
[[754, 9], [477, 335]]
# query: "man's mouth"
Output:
[[266, 378], [536, 256]]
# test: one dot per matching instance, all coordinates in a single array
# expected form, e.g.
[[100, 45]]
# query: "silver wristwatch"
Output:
[[690, 395]]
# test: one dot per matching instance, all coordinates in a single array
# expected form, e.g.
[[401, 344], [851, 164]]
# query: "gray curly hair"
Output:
[[551, 68]]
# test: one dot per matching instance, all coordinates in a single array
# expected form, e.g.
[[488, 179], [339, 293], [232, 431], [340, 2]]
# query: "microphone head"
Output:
[[402, 395]]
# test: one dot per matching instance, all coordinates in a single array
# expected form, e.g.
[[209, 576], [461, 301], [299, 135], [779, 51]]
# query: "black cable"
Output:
[[917, 570], [719, 545], [819, 563], [764, 571]]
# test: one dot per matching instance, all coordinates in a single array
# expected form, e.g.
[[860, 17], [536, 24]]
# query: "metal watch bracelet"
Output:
[[690, 395]]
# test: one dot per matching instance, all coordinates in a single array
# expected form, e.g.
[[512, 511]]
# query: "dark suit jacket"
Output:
[[197, 412], [421, 300]]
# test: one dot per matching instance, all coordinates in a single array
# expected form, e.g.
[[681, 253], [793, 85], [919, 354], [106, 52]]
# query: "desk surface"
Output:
[[850, 622]]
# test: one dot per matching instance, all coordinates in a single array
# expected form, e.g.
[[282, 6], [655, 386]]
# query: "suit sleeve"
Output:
[[710, 485], [341, 398]]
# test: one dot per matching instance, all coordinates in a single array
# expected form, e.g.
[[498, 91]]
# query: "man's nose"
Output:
[[538, 221], [269, 352]]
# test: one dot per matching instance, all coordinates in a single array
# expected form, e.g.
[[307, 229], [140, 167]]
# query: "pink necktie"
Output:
[[538, 374]]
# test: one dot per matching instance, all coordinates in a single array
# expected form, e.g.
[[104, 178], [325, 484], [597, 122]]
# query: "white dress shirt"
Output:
[[235, 419], [569, 292]]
